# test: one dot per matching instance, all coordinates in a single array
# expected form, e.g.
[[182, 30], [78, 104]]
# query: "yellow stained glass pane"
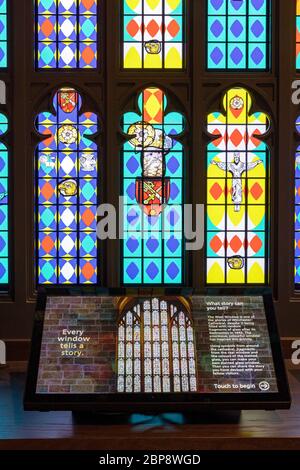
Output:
[[237, 186], [153, 34]]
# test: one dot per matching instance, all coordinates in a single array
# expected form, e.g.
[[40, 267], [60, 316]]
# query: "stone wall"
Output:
[[94, 370]]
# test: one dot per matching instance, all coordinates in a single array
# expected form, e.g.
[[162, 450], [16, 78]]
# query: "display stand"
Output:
[[156, 354]]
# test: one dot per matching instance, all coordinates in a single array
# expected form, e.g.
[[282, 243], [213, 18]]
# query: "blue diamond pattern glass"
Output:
[[153, 162], [239, 33], [297, 212], [3, 35], [4, 201], [67, 193], [66, 34]]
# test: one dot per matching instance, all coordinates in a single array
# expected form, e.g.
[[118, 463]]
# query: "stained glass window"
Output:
[[153, 34], [153, 169], [3, 33], [239, 33], [67, 193], [238, 169], [298, 35], [156, 350], [66, 34], [297, 213], [4, 222]]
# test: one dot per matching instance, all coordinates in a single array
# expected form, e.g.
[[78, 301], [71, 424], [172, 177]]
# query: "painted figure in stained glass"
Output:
[[237, 194], [67, 193], [237, 168], [88, 162], [66, 34], [153, 34], [153, 188]]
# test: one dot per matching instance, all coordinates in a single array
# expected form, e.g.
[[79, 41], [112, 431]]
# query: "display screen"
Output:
[[171, 345]]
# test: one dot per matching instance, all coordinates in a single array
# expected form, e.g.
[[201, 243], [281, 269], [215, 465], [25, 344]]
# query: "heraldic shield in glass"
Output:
[[239, 34], [67, 185], [238, 170], [4, 201], [297, 212], [66, 34], [156, 350], [153, 34], [153, 166]]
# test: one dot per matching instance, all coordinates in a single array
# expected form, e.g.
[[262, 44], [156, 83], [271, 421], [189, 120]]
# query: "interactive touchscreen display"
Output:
[[198, 345]]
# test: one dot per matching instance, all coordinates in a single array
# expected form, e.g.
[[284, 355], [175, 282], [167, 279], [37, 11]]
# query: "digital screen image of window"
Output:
[[297, 212], [154, 345], [153, 171], [156, 351], [238, 34], [153, 34], [4, 201], [238, 170], [66, 34], [67, 183], [3, 33]]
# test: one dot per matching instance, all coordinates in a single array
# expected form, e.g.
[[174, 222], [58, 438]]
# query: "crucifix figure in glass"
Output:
[[237, 168]]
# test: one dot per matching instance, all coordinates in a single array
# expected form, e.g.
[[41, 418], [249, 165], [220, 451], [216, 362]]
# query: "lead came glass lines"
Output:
[[161, 356]]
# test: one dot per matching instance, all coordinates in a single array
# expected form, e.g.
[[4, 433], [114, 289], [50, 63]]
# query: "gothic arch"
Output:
[[156, 348]]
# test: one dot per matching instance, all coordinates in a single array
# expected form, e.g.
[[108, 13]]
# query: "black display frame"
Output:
[[156, 402]]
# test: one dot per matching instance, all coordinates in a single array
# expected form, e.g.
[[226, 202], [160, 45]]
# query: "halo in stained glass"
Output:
[[67, 193], [238, 34], [66, 34]]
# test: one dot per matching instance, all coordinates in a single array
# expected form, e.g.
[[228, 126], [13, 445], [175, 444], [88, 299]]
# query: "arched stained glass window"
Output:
[[297, 213], [67, 182], [153, 34], [4, 200], [156, 350], [238, 170], [66, 34], [239, 34], [3, 33], [153, 171]]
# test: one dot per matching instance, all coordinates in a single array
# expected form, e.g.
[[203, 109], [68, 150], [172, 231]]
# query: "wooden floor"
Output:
[[60, 430]]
